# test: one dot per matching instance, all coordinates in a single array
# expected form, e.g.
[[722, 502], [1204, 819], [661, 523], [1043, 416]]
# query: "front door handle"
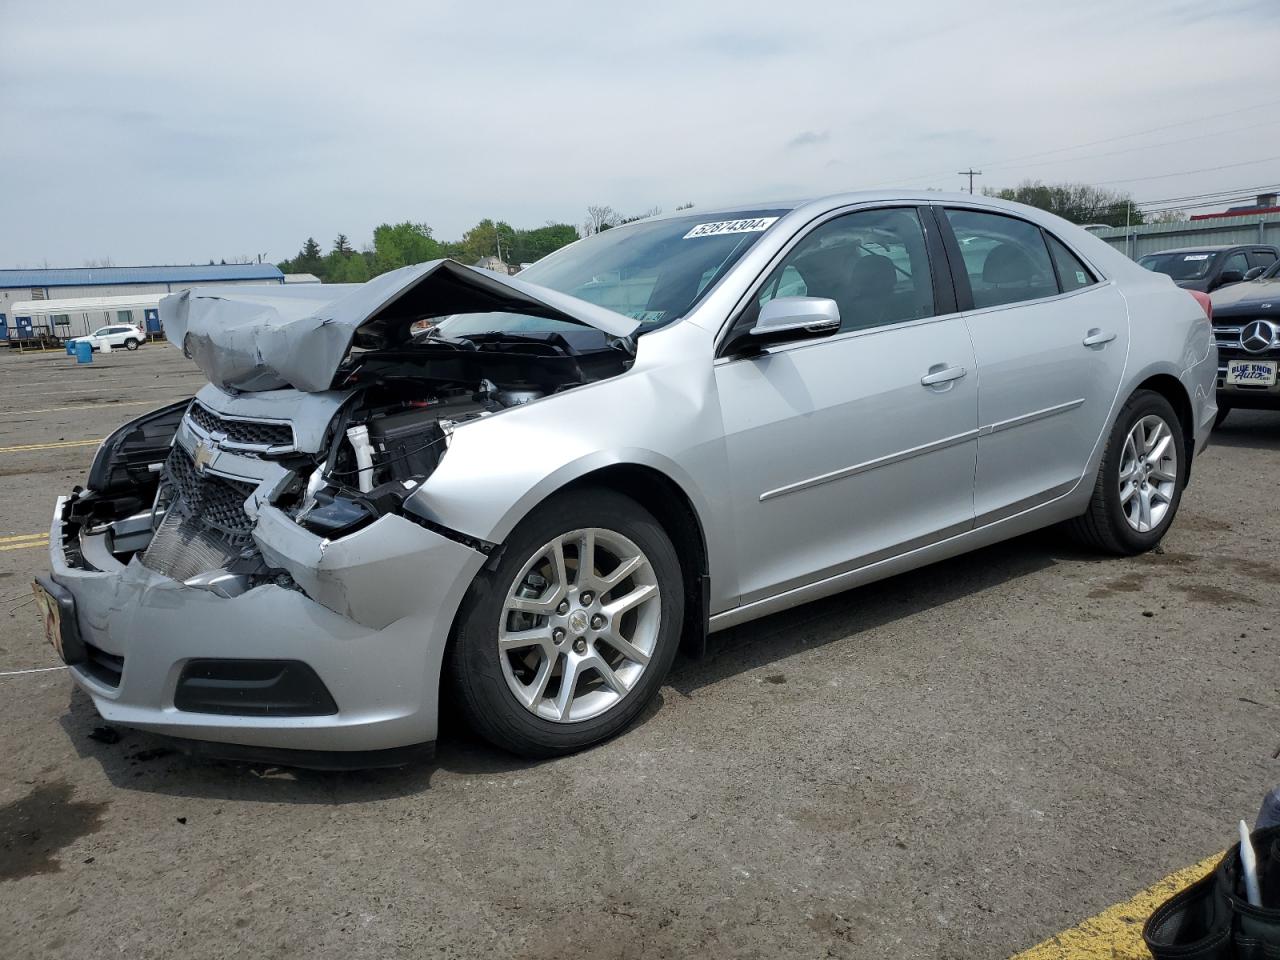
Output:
[[1096, 338], [940, 373]]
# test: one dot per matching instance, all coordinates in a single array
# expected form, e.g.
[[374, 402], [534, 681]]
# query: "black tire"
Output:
[[474, 669], [131, 344], [1223, 412], [1103, 526]]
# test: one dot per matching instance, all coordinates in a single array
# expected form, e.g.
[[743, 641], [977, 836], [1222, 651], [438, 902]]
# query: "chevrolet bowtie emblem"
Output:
[[203, 456]]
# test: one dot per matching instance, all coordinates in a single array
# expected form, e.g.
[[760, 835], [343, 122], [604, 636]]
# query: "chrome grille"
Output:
[[216, 503], [1227, 337], [240, 432]]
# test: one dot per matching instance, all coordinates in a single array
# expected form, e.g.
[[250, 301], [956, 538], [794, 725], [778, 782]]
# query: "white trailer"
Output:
[[65, 319]]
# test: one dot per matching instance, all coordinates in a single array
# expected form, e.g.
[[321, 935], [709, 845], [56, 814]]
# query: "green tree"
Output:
[[308, 260], [488, 239], [1077, 202], [401, 244], [348, 268], [342, 246], [532, 245]]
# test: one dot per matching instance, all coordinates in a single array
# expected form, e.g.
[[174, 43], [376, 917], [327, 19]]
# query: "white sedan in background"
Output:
[[120, 335]]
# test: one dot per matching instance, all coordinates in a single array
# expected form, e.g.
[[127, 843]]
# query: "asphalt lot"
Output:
[[958, 762]]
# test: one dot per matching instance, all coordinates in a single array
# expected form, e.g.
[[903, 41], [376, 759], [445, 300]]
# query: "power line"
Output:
[[1139, 133], [1191, 206], [1184, 173], [1093, 143], [1261, 188], [1145, 146]]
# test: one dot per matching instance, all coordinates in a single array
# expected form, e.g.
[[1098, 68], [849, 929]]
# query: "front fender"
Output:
[[662, 415]]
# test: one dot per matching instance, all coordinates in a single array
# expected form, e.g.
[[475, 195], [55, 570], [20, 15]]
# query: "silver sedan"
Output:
[[662, 430]]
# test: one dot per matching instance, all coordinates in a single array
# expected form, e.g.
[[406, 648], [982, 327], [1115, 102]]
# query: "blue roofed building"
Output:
[[75, 282]]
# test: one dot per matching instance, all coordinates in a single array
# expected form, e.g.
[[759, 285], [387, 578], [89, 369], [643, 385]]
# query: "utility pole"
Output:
[[970, 173]]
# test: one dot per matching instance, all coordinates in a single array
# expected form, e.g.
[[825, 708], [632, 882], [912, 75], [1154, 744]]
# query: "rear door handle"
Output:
[[1096, 338], [941, 373]]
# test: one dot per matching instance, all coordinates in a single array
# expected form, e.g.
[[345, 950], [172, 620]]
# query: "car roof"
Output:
[[835, 200], [1207, 248]]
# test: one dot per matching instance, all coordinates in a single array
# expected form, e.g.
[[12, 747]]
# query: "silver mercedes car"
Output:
[[527, 493]]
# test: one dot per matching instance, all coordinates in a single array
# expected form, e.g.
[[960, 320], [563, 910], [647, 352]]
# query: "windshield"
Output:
[[1190, 265], [1272, 272], [651, 271]]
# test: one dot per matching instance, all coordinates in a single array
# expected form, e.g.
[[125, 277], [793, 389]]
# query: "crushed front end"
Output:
[[257, 567], [198, 600]]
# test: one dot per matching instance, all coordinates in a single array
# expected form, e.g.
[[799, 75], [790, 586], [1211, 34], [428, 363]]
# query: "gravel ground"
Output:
[[957, 762]]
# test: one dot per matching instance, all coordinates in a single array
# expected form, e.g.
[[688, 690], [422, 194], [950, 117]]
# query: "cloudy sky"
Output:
[[170, 132]]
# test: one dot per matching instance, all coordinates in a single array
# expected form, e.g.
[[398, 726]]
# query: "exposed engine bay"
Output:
[[179, 490]]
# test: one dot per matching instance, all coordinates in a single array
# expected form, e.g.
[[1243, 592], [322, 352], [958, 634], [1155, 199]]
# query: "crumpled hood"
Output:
[[1249, 292], [268, 337]]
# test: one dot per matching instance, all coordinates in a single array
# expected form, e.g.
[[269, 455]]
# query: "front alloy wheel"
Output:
[[564, 643], [579, 625]]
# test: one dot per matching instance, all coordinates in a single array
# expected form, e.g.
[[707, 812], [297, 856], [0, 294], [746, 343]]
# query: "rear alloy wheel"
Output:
[[1139, 484], [564, 644], [131, 344]]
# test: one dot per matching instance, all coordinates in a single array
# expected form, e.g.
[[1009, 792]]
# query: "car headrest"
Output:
[[1007, 263], [825, 270], [873, 276]]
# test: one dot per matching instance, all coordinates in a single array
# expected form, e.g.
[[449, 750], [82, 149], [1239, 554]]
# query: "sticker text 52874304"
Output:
[[753, 225]]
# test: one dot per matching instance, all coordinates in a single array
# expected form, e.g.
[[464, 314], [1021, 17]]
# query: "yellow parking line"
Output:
[[20, 448], [105, 405], [22, 536], [42, 541], [1116, 933]]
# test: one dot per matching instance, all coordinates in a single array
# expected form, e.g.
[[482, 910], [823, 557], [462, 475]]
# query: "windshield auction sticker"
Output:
[[754, 225]]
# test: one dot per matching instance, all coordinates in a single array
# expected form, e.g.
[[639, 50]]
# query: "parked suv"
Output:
[[1208, 268], [120, 335], [1246, 324]]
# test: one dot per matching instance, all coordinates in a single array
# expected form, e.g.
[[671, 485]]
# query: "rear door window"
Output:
[[1005, 259]]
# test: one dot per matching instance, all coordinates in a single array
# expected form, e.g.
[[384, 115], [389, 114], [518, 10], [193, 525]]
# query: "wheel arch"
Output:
[[675, 512], [662, 495], [1172, 389]]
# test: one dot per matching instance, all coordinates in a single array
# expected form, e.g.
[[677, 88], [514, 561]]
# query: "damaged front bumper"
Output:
[[349, 660]]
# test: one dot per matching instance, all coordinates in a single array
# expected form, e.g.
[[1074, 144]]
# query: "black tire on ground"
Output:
[[473, 668], [1223, 411], [1103, 526], [131, 344]]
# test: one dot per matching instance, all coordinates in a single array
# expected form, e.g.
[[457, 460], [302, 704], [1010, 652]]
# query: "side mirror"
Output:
[[1254, 273], [1229, 276], [789, 318]]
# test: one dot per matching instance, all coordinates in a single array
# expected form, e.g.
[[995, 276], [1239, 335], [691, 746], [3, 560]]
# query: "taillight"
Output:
[[1206, 304]]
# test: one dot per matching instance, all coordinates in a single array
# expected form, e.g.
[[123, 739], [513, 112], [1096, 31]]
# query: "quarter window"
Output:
[[1072, 274], [1005, 258], [872, 263]]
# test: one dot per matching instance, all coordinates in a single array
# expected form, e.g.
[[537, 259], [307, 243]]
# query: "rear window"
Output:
[[1189, 265]]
